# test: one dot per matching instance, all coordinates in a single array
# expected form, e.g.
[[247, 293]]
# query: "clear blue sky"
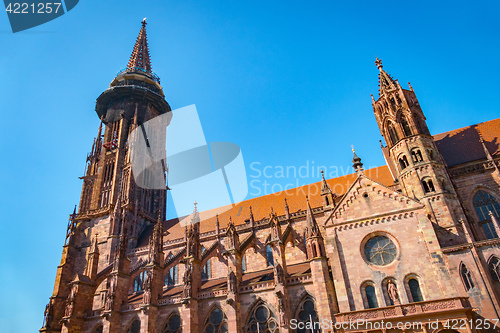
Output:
[[288, 81]]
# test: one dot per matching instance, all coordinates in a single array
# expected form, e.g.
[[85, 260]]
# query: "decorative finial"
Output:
[[356, 161], [144, 22], [378, 63]]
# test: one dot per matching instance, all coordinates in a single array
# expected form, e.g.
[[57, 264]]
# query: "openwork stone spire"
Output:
[[386, 82], [312, 229], [140, 54]]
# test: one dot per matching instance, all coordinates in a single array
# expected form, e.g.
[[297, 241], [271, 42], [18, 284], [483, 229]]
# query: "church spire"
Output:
[[386, 82], [325, 189], [312, 233], [356, 162], [311, 225], [140, 54]]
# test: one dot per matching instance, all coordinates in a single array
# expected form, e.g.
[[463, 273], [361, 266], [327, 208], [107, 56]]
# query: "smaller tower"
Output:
[[326, 193], [356, 163], [413, 157], [314, 239]]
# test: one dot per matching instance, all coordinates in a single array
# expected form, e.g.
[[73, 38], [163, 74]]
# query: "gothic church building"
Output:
[[416, 240]]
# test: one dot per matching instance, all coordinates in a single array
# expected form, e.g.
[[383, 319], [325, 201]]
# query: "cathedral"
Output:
[[410, 246]]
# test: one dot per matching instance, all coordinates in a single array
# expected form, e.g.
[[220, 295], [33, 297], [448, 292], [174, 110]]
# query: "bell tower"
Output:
[[113, 209], [133, 97], [413, 158]]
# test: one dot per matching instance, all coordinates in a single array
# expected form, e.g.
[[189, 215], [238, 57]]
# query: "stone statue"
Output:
[[278, 273], [187, 291], [231, 282], [47, 315], [146, 286], [393, 292], [112, 286], [108, 306], [72, 293], [68, 311], [282, 312]]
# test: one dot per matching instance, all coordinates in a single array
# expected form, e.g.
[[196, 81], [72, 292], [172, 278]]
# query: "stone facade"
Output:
[[415, 241]]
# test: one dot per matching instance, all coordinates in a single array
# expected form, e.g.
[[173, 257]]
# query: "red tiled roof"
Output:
[[261, 206], [462, 145], [457, 147]]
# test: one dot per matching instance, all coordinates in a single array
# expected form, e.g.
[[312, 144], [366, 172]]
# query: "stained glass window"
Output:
[[307, 313], [262, 320], [173, 325], [135, 327], [216, 322], [415, 292], [406, 126], [483, 204], [171, 278], [371, 297], [206, 273], [380, 250], [494, 267], [467, 278], [269, 255], [138, 282]]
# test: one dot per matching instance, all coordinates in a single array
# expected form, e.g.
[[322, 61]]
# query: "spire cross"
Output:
[[144, 22]]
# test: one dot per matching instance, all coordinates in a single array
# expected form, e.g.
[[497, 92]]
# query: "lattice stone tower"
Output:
[[113, 210]]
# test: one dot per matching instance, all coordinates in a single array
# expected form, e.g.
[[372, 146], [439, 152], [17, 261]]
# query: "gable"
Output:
[[367, 199]]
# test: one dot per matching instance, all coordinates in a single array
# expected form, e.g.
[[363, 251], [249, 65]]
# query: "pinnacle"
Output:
[[140, 54]]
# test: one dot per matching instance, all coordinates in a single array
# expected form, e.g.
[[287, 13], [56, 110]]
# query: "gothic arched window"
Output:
[[494, 268], [171, 278], [305, 246], [371, 297], [306, 313], [484, 203], [403, 162], [415, 292], [216, 322], [428, 185], [138, 281], [406, 126], [206, 273], [262, 317], [243, 263], [416, 155], [466, 277], [269, 255], [392, 134], [173, 325], [135, 327]]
